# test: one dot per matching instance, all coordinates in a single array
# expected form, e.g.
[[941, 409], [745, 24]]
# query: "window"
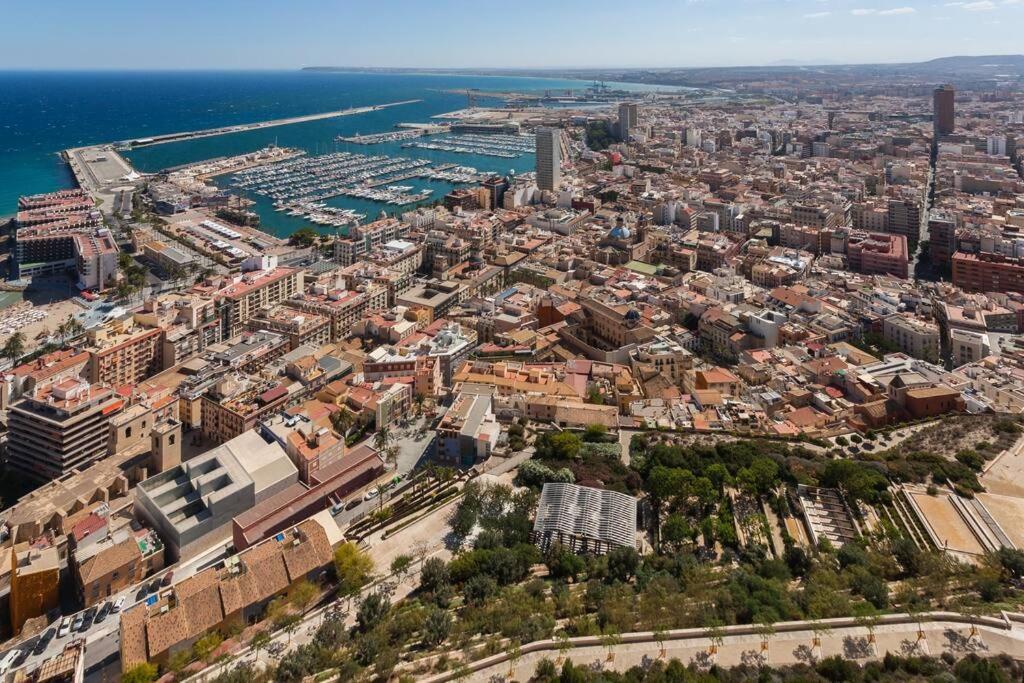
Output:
[[170, 440], [127, 432]]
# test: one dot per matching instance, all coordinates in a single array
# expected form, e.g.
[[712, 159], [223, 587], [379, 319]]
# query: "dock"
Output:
[[258, 125]]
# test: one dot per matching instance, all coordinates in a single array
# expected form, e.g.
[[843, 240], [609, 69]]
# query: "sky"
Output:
[[287, 34]]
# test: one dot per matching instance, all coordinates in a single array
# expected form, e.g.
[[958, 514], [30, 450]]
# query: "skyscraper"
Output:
[[943, 111], [628, 118], [549, 158]]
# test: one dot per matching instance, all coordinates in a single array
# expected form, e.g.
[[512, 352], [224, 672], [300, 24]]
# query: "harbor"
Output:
[[494, 145]]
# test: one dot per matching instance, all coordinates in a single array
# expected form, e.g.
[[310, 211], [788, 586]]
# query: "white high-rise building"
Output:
[[997, 145], [549, 158]]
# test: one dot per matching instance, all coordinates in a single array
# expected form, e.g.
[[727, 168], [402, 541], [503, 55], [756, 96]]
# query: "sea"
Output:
[[42, 113]]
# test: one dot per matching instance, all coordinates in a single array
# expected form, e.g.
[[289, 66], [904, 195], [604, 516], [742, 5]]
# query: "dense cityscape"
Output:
[[728, 386]]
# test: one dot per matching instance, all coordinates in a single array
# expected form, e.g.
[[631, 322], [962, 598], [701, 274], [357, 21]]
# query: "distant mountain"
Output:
[[961, 70]]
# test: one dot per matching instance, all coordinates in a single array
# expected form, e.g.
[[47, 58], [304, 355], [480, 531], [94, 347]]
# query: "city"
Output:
[[655, 374]]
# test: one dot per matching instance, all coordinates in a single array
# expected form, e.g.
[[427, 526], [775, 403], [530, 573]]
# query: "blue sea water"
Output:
[[42, 113]]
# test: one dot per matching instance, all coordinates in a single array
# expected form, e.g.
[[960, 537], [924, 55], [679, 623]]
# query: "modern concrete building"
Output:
[[254, 292], [63, 427], [191, 505], [468, 432], [549, 158]]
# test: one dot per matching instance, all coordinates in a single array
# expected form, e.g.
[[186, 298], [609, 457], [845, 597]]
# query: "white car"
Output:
[[118, 605], [65, 627], [371, 494]]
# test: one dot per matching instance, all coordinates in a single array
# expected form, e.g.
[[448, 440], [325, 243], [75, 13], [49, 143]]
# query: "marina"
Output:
[[377, 138], [300, 186], [504, 146]]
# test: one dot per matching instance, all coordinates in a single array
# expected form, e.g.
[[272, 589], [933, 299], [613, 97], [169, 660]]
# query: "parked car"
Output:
[[44, 640], [118, 605], [353, 503], [168, 578], [65, 627], [76, 625], [89, 617], [371, 494], [103, 612]]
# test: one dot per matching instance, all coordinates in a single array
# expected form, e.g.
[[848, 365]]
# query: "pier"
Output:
[[241, 128]]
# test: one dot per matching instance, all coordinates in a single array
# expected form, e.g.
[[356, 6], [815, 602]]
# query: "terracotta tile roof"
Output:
[[109, 559]]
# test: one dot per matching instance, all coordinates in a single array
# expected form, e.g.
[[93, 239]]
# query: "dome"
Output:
[[632, 315], [619, 232]]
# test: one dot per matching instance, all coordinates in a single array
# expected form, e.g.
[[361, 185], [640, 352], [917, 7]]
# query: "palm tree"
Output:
[[14, 348], [391, 455], [380, 439], [418, 400]]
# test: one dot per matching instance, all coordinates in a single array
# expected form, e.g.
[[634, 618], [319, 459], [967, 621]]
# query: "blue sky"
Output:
[[258, 34]]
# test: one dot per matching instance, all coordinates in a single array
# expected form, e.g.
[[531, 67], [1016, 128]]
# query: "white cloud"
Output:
[[861, 12], [817, 15], [980, 6], [896, 11]]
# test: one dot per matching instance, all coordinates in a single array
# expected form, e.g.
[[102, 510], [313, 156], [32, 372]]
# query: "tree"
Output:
[[140, 673], [564, 644], [259, 640], [303, 237], [515, 653], [436, 626], [716, 636], [400, 566], [766, 630], [434, 575], [380, 439], [206, 645], [595, 433], [342, 421], [372, 611], [289, 623], [301, 594], [14, 348], [659, 637], [353, 568], [610, 639], [623, 562]]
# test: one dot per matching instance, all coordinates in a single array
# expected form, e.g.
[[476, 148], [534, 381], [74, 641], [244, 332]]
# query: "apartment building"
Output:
[[915, 337], [64, 426], [253, 292], [123, 354]]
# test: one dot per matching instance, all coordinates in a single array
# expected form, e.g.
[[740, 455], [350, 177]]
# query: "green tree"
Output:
[[259, 640], [372, 611], [595, 433], [353, 568], [436, 626], [14, 348], [381, 438], [301, 594], [140, 673], [303, 237], [400, 566]]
